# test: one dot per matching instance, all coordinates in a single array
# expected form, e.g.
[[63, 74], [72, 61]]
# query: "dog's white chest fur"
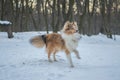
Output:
[[71, 41]]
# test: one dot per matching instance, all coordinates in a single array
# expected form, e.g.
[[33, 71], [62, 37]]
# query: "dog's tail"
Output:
[[38, 41]]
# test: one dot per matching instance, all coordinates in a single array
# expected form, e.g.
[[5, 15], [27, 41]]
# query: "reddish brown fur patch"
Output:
[[54, 42]]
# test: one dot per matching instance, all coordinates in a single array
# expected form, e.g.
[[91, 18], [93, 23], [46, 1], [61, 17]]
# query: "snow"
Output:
[[5, 22], [19, 60]]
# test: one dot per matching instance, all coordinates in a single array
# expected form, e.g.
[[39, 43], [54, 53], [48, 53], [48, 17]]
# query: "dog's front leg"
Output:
[[69, 58], [76, 53]]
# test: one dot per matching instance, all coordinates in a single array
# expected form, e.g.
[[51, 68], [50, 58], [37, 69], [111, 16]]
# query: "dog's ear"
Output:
[[66, 25], [75, 23], [67, 22]]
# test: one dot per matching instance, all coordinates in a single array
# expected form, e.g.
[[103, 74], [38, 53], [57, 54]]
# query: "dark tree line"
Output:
[[92, 16]]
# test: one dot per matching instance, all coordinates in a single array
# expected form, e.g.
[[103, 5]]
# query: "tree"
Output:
[[70, 11], [8, 11], [92, 16]]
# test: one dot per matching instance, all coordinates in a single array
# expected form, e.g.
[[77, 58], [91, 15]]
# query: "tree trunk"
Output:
[[8, 16], [9, 31], [16, 16], [21, 20], [93, 7], [58, 16], [2, 9], [79, 12], [70, 16], [45, 13], [64, 11], [38, 7], [53, 16]]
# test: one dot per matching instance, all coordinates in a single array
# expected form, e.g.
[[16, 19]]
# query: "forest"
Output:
[[92, 16]]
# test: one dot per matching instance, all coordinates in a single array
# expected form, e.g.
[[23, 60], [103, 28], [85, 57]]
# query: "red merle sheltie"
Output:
[[67, 41]]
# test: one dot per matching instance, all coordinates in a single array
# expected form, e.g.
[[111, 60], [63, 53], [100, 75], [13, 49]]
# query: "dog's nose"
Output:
[[77, 30]]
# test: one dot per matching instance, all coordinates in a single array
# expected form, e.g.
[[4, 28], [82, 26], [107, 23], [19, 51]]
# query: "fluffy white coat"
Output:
[[71, 41]]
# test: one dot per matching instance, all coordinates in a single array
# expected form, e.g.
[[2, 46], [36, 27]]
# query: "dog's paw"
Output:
[[79, 57], [55, 60], [72, 66]]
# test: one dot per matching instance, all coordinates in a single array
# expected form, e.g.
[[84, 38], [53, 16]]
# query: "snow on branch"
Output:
[[5, 22]]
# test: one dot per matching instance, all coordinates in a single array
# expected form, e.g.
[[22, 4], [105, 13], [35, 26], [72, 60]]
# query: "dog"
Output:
[[67, 41]]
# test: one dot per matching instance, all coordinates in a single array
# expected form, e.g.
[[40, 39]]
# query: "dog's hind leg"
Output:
[[69, 58], [49, 53], [54, 57], [76, 53]]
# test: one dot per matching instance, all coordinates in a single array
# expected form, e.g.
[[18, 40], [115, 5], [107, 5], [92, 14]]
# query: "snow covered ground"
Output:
[[19, 60]]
